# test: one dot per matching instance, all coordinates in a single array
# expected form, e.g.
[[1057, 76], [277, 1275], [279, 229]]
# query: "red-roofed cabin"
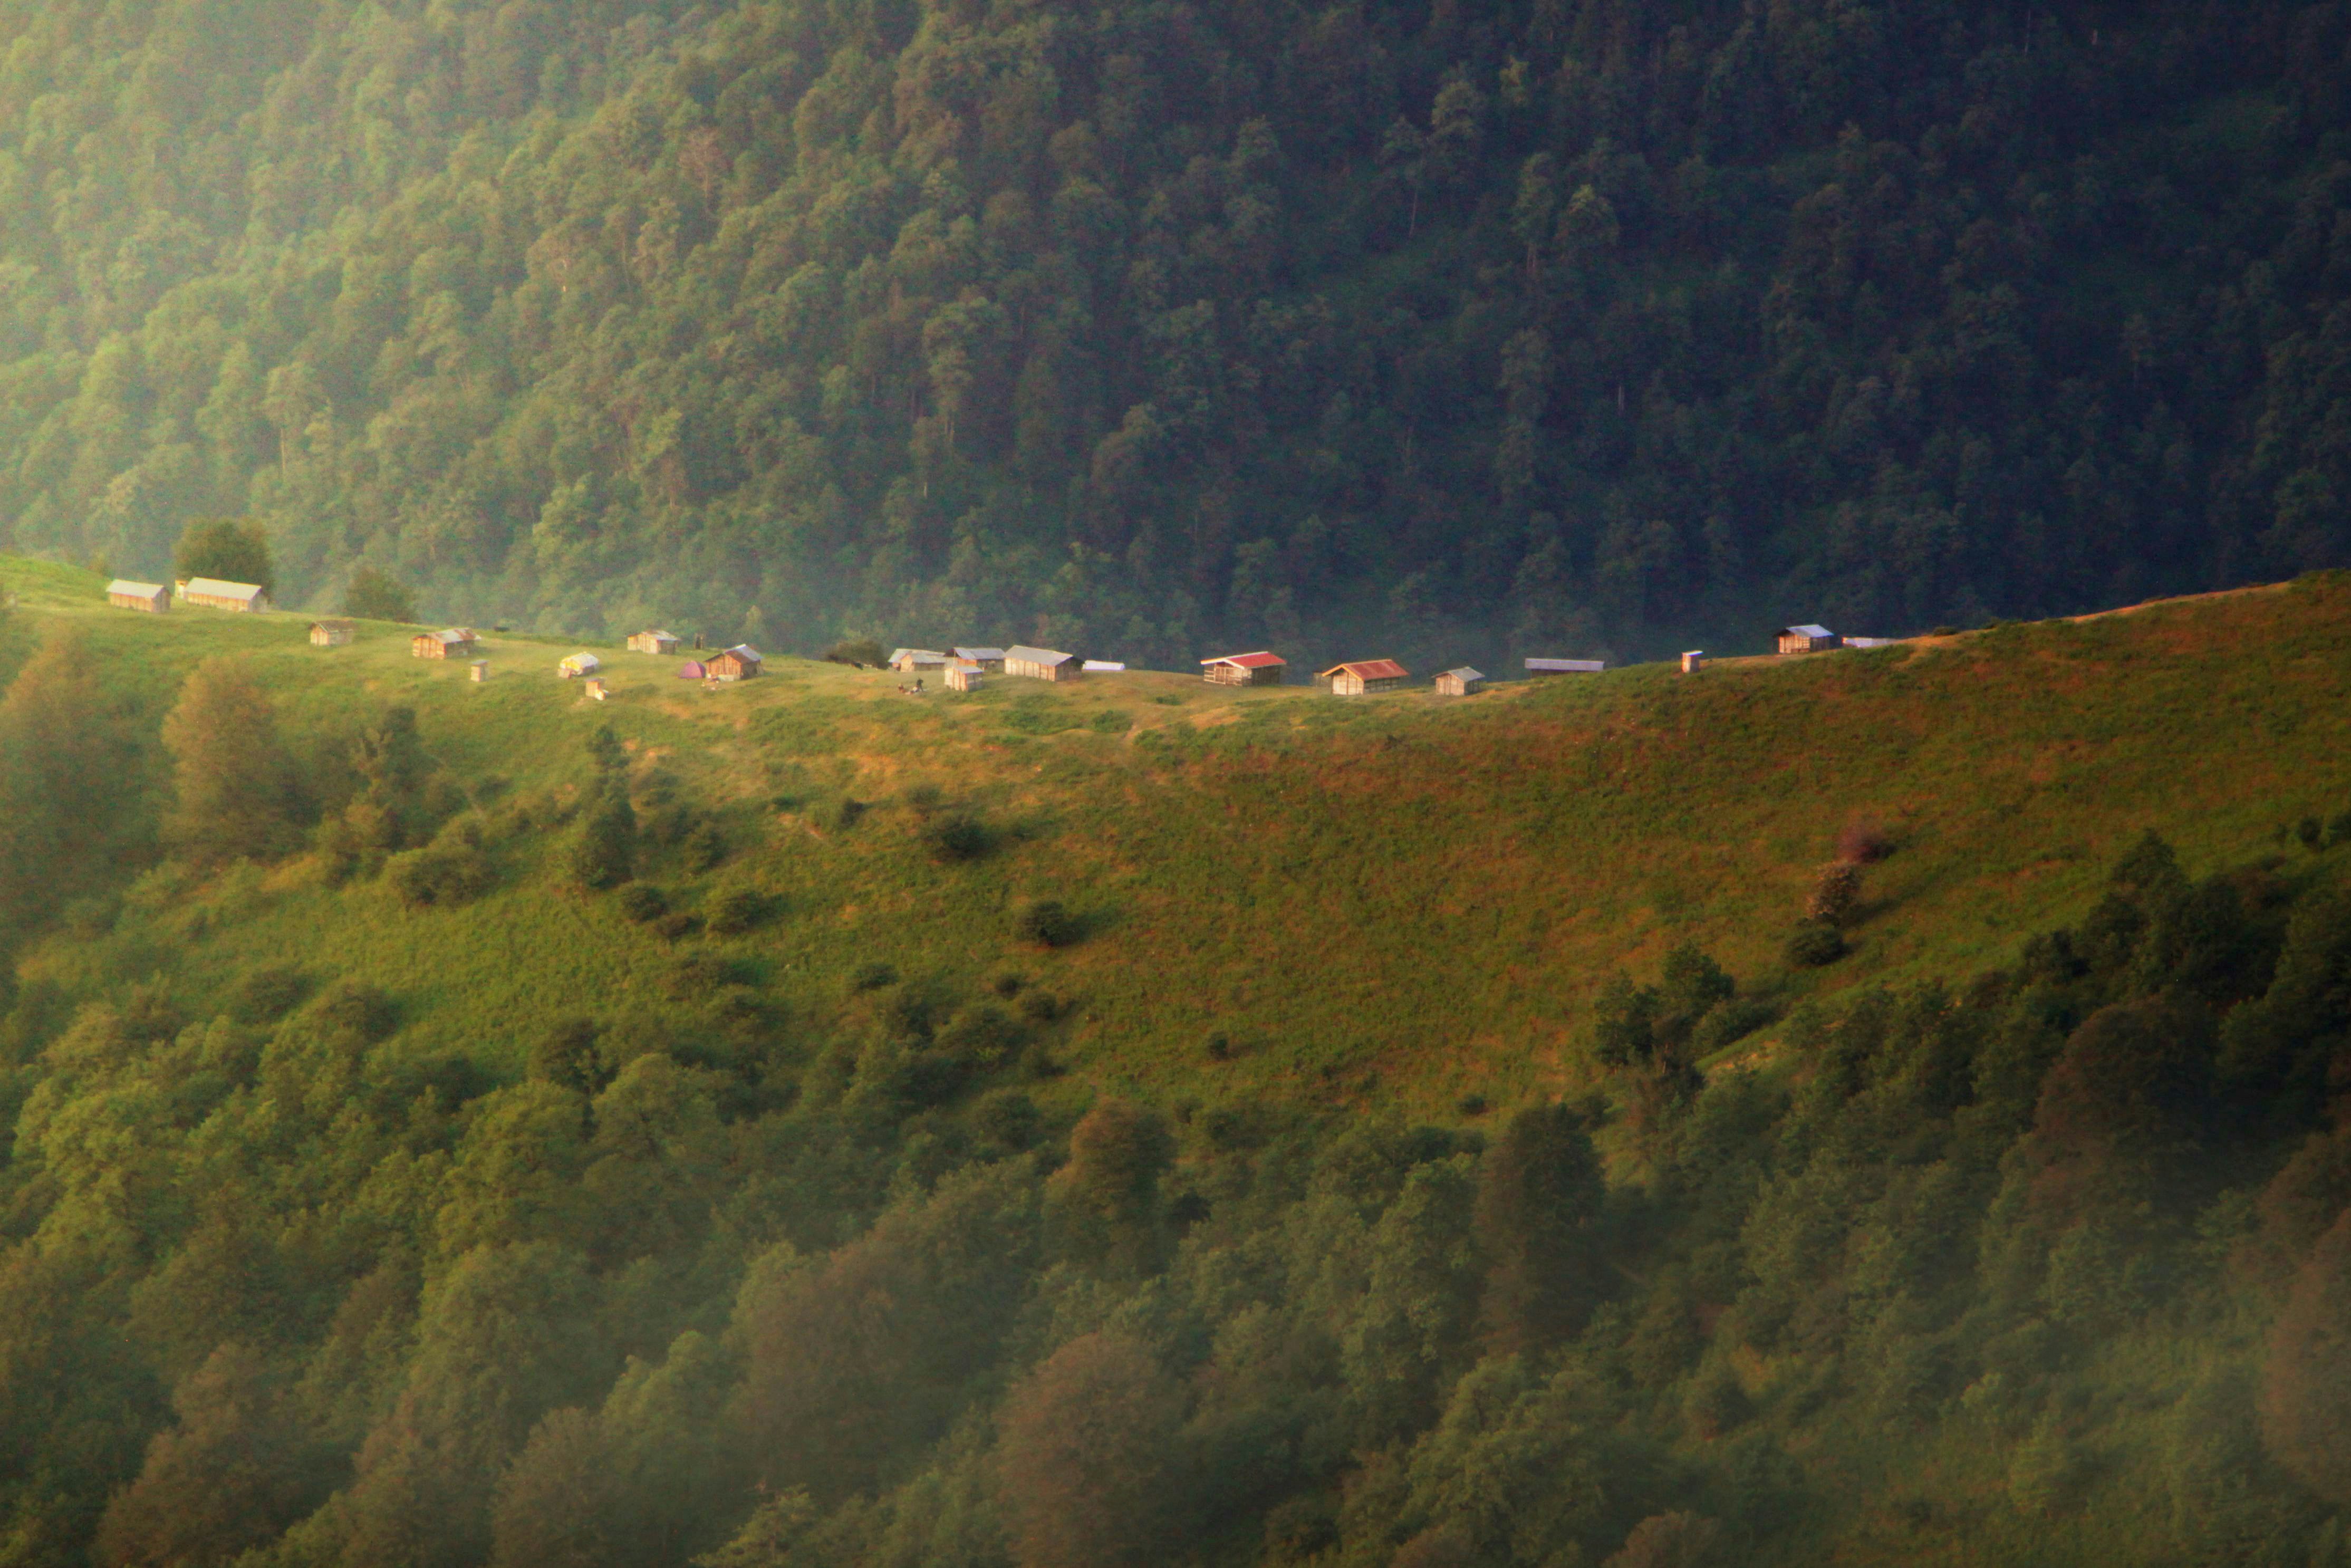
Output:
[[1365, 676], [1245, 670]]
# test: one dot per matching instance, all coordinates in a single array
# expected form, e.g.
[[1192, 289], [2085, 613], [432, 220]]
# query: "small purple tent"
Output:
[[693, 671]]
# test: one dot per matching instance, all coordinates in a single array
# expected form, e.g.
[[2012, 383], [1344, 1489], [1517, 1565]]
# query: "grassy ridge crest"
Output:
[[1403, 899]]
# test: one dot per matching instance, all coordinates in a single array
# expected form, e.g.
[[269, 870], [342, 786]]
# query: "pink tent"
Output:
[[693, 671]]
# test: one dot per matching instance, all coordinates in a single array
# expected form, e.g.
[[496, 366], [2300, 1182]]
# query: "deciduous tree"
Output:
[[233, 550], [233, 782], [2306, 1387], [1091, 1458], [1539, 1196]]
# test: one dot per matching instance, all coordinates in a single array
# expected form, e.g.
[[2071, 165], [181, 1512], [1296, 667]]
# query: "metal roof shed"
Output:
[[1363, 676], [1806, 639], [1042, 663], [1258, 669]]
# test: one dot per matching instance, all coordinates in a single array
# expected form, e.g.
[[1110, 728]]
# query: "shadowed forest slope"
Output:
[[1557, 325]]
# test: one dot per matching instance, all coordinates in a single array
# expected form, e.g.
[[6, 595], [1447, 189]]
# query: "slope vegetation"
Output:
[[468, 1122], [1418, 893]]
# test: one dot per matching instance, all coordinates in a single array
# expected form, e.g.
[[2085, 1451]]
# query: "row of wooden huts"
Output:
[[964, 669], [1363, 677], [210, 592], [740, 663]]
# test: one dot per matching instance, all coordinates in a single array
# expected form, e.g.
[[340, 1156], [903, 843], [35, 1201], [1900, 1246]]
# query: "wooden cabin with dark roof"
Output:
[[740, 663]]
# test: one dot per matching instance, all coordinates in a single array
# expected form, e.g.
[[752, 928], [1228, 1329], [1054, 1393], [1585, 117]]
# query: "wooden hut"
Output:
[[479, 671], [964, 676], [652, 642], [1464, 682], [1693, 660], [1260, 669], [739, 662], [912, 661], [1807, 638], [1043, 665], [1565, 666], [331, 633], [153, 598], [214, 594], [449, 643], [989, 660], [578, 665], [1364, 677], [596, 690]]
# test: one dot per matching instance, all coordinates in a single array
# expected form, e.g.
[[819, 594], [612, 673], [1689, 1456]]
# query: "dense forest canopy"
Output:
[[1559, 325]]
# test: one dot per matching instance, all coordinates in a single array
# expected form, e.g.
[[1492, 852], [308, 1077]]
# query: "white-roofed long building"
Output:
[[214, 594], [151, 597]]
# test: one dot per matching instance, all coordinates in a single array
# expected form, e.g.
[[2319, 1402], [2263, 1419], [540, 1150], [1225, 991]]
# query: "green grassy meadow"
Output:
[[1400, 900]]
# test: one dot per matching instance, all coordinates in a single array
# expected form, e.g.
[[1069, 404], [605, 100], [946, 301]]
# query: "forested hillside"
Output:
[[1873, 1108], [1572, 325]]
